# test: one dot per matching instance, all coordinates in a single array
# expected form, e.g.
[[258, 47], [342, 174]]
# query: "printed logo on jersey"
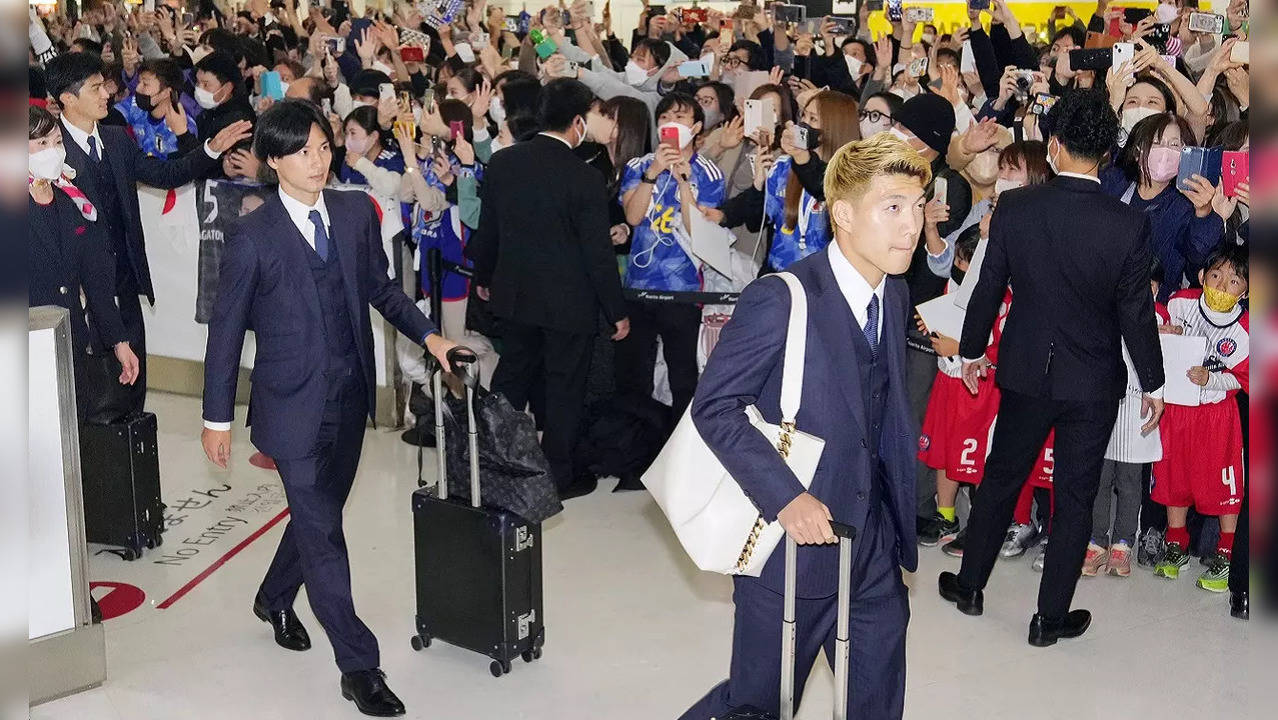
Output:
[[1226, 346], [925, 442]]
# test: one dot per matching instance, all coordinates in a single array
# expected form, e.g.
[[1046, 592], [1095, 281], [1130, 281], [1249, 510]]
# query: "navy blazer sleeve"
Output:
[[167, 173], [982, 308], [749, 349], [1136, 319], [596, 248], [237, 287], [384, 293]]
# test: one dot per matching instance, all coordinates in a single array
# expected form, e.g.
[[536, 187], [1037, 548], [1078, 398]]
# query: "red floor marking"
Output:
[[168, 602]]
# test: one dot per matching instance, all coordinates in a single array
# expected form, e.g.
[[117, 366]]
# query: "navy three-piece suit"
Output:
[[854, 398], [313, 386]]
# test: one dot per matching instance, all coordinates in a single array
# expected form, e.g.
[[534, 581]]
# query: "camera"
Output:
[[1024, 80]]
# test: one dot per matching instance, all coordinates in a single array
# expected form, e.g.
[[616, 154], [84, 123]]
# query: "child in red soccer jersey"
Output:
[[1202, 461]]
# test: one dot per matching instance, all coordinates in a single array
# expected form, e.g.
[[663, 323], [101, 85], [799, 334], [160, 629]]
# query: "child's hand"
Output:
[[1198, 375], [945, 346], [1171, 329]]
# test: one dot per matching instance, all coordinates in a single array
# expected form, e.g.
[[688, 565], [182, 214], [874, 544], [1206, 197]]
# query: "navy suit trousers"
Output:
[[880, 611], [312, 550]]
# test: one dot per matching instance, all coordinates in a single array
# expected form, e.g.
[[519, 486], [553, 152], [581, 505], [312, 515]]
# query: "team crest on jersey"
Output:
[[925, 442], [1226, 346]]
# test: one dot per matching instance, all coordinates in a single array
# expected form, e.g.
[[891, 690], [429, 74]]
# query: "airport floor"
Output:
[[634, 631]]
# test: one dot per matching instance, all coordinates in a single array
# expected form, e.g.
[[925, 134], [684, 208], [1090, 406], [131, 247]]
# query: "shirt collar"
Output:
[[1080, 176], [300, 213], [81, 137], [856, 290], [565, 142]]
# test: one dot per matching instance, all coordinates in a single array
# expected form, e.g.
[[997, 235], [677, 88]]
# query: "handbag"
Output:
[[718, 526]]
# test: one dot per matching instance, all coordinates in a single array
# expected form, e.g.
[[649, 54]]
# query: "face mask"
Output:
[[145, 103], [284, 87], [635, 75], [359, 146], [1051, 161], [496, 110], [896, 133], [854, 66], [984, 168], [382, 67], [205, 98], [1163, 163], [497, 144], [713, 117], [685, 133], [1216, 300], [1165, 14], [928, 38], [1131, 116], [581, 132], [360, 104], [869, 129], [1002, 185], [47, 164]]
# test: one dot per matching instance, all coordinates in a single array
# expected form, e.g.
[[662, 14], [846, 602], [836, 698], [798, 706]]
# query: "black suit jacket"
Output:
[[1079, 265], [266, 284], [132, 166], [542, 247], [65, 256]]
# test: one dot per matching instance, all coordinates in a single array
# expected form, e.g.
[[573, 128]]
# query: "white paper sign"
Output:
[[941, 315], [964, 293], [1180, 353], [711, 244]]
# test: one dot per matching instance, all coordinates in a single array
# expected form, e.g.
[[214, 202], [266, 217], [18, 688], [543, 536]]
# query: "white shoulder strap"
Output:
[[796, 340]]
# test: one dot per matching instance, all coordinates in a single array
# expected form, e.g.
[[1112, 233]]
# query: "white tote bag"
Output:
[[719, 527]]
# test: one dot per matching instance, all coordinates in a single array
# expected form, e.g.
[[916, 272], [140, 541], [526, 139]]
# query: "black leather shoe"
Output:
[[289, 633], [629, 483], [1045, 631], [367, 689], [583, 486], [1239, 605], [969, 602]]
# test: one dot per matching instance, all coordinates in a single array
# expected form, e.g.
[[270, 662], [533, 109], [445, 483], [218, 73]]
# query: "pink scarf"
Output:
[[82, 203]]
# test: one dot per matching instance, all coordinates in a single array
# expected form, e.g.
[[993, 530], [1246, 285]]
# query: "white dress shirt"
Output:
[[1080, 176], [81, 138], [855, 288], [560, 139]]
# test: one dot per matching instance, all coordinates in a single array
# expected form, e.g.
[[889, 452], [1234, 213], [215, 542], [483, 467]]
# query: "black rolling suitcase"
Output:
[[120, 471], [478, 568], [846, 534]]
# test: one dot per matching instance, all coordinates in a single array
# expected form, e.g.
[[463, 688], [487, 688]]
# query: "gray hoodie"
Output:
[[608, 83]]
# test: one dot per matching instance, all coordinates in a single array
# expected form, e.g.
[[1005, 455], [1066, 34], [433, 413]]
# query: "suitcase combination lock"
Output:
[[523, 539]]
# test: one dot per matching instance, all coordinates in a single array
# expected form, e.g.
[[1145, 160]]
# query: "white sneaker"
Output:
[[1042, 557]]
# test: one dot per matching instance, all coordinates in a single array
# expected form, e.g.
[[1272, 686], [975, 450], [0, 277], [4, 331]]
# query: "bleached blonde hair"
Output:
[[854, 165]]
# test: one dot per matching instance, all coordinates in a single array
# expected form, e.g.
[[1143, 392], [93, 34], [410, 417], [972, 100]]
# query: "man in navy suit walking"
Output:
[[301, 271], [854, 398]]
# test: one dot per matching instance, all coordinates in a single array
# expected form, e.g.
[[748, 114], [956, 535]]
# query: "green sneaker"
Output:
[[1173, 559], [1216, 577]]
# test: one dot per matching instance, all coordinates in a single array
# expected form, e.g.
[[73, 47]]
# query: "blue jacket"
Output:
[[264, 285], [746, 369]]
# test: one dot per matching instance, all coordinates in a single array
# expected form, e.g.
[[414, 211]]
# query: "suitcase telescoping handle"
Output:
[[846, 534], [461, 361]]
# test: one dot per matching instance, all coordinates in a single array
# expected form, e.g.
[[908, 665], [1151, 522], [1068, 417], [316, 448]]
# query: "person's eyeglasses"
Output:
[[733, 61], [874, 116]]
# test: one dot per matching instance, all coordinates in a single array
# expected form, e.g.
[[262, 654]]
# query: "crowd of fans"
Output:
[[730, 118]]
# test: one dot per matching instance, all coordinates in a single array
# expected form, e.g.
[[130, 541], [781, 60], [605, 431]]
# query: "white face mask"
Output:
[[1002, 185], [713, 116], [1165, 14], [983, 169], [928, 38], [359, 146], [854, 66], [1051, 161], [496, 110], [359, 104], [869, 129], [685, 133], [635, 75], [284, 86], [47, 164], [205, 98], [382, 67], [581, 132], [896, 133], [1130, 117]]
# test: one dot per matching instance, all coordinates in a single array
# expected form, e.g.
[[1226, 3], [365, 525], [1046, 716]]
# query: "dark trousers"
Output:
[[1082, 434], [679, 327], [313, 548], [880, 612], [1240, 561], [561, 362], [920, 373]]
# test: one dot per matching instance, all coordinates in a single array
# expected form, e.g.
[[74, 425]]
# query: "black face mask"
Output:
[[146, 103], [814, 137]]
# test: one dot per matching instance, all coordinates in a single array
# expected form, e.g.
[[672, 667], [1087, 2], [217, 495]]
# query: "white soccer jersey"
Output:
[[1228, 348]]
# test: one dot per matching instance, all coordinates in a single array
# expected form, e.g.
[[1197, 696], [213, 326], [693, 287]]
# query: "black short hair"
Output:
[[948, 53], [68, 72], [1084, 123], [871, 56], [1169, 97], [965, 245], [658, 50], [756, 60], [167, 72], [563, 100], [85, 45], [1235, 256], [680, 101], [223, 40], [222, 66], [368, 83], [1074, 33], [286, 127]]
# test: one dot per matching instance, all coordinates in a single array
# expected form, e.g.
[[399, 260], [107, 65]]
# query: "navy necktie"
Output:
[[93, 149], [321, 235], [872, 325]]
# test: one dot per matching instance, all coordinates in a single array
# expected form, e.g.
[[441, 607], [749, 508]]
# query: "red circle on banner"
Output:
[[121, 599]]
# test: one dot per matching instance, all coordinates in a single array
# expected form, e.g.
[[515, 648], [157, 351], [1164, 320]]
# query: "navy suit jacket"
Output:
[[746, 368], [131, 166], [266, 285]]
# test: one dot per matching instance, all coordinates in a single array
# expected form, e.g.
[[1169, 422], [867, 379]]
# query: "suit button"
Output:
[[860, 496], [863, 443], [63, 289]]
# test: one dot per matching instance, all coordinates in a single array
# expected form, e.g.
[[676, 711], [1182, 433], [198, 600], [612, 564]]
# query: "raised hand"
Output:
[[230, 135]]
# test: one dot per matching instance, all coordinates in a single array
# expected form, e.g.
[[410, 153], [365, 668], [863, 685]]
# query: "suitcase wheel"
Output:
[[129, 554], [419, 642], [150, 544], [530, 655], [499, 668]]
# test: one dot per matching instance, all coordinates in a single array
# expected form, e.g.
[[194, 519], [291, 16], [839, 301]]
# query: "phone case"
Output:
[[1234, 170], [457, 129], [1241, 53], [670, 136], [1123, 52], [412, 54], [1199, 161], [1098, 59], [272, 86]]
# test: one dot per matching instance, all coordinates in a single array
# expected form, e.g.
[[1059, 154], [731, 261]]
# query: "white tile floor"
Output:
[[634, 631]]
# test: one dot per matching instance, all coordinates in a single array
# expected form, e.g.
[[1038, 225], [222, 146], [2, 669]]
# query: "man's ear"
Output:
[[273, 163], [842, 214]]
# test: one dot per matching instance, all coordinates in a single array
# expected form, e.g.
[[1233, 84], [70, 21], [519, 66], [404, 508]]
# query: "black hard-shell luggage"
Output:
[[478, 568], [120, 473], [846, 534]]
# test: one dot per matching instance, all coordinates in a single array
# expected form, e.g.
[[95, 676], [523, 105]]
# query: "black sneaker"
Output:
[[938, 529], [1151, 547], [954, 548], [419, 435]]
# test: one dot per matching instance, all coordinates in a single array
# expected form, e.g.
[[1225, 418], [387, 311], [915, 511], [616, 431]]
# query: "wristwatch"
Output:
[[644, 179]]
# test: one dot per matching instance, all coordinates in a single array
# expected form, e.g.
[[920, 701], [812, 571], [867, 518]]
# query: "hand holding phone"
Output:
[[1234, 170]]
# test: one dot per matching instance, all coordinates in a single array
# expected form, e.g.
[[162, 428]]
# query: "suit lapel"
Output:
[[124, 185], [835, 325], [342, 238], [293, 249]]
